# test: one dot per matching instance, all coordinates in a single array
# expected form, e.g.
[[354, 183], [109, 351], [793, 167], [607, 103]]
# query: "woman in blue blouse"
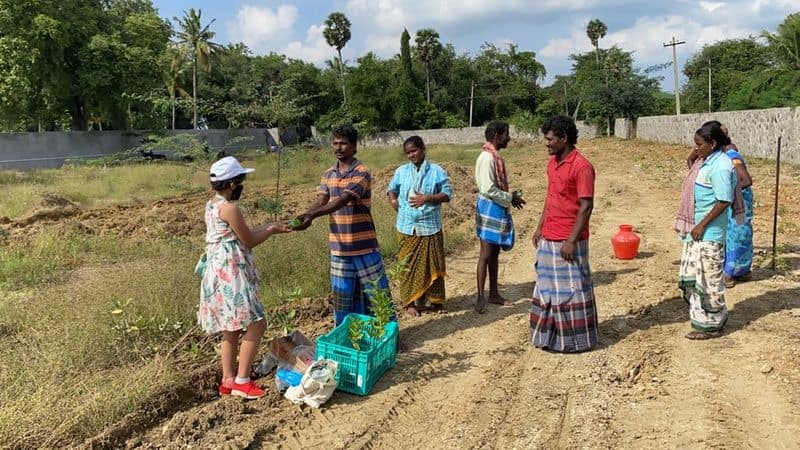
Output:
[[416, 192]]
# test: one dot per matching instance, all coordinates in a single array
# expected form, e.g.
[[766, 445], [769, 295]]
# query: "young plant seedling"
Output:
[[356, 332], [295, 223], [382, 309]]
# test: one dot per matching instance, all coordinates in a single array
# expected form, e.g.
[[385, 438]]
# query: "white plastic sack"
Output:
[[317, 385]]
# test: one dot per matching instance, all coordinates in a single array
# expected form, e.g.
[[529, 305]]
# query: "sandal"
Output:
[[728, 281], [697, 335], [746, 277]]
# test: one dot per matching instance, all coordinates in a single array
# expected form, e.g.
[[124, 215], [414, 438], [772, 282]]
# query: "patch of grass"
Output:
[[66, 352], [46, 255], [89, 186]]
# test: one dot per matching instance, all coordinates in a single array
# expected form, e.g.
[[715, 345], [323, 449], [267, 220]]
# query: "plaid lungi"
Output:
[[351, 283], [563, 309], [700, 280], [493, 223]]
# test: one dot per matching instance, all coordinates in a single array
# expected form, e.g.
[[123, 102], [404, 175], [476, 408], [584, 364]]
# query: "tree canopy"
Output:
[[115, 64]]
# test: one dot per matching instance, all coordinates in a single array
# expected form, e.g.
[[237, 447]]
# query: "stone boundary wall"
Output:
[[755, 131], [466, 135], [20, 151], [51, 149]]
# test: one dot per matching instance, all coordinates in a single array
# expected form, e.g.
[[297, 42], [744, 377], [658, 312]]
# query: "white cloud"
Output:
[[261, 28], [399, 13], [315, 49], [711, 6], [378, 23], [646, 37], [384, 44]]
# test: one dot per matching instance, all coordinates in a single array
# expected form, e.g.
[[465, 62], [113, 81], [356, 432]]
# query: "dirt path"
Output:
[[473, 381]]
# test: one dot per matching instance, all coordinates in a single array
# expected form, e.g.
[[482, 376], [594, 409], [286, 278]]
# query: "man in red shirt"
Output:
[[563, 310]]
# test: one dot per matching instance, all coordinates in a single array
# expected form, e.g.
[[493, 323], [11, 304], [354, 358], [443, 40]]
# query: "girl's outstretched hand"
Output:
[[279, 227]]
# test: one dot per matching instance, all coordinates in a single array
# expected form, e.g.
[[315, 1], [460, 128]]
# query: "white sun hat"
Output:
[[227, 168]]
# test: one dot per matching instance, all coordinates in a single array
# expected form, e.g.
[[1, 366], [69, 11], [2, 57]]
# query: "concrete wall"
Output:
[[50, 149], [755, 132], [466, 135]]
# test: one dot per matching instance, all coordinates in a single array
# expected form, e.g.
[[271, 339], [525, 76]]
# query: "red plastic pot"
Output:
[[625, 243]]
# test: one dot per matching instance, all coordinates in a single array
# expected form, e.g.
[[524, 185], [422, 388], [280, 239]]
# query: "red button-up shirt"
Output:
[[567, 182]]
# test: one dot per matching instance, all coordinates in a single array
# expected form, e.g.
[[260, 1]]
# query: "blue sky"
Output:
[[551, 28]]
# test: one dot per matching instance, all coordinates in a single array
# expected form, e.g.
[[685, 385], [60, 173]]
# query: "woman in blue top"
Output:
[[416, 192], [702, 222], [739, 240]]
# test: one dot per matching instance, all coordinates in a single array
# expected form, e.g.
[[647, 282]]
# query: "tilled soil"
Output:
[[474, 381]]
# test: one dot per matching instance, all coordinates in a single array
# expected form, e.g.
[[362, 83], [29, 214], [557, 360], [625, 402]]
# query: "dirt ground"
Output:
[[474, 381]]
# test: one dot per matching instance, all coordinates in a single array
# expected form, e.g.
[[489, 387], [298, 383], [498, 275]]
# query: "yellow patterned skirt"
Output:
[[425, 261]]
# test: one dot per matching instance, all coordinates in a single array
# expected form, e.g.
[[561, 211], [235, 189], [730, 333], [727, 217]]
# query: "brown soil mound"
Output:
[[51, 208]]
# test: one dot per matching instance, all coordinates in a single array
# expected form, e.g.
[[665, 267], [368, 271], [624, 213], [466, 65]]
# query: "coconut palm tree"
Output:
[[785, 42], [173, 74], [784, 48], [596, 30], [197, 38], [337, 34], [428, 46]]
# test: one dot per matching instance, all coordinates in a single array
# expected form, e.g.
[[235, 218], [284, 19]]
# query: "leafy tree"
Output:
[[197, 37], [90, 58], [734, 62], [337, 34], [372, 110], [428, 47], [511, 76], [612, 88]]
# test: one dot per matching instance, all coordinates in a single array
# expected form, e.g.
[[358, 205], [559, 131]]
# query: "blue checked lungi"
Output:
[[493, 223], [351, 278], [563, 309]]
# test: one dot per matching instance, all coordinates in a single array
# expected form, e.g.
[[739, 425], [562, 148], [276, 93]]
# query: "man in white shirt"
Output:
[[493, 223]]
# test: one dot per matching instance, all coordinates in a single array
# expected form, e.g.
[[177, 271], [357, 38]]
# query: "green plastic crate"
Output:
[[359, 370]]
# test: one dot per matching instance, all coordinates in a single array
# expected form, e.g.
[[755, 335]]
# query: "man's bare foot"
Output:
[[480, 305], [438, 308], [412, 311], [496, 299]]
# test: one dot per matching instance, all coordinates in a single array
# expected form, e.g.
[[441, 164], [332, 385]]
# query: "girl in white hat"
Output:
[[229, 292]]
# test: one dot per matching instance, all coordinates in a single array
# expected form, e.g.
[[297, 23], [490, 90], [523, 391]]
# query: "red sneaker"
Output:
[[224, 390], [249, 390]]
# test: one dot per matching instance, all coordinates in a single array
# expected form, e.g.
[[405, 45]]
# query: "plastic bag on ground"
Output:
[[286, 377], [317, 385], [294, 350], [268, 364]]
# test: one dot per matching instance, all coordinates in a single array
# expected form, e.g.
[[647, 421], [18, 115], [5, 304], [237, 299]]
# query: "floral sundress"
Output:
[[229, 291]]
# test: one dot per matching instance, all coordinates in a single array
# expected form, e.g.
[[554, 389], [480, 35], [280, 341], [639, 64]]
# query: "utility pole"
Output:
[[709, 85], [471, 99], [674, 44], [566, 111]]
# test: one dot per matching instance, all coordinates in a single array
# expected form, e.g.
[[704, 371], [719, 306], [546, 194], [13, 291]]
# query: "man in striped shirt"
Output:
[[345, 195]]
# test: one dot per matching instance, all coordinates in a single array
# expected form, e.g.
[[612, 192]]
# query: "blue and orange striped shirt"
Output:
[[352, 231]]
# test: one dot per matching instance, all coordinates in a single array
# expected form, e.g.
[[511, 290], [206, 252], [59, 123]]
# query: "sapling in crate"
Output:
[[356, 332], [382, 308]]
